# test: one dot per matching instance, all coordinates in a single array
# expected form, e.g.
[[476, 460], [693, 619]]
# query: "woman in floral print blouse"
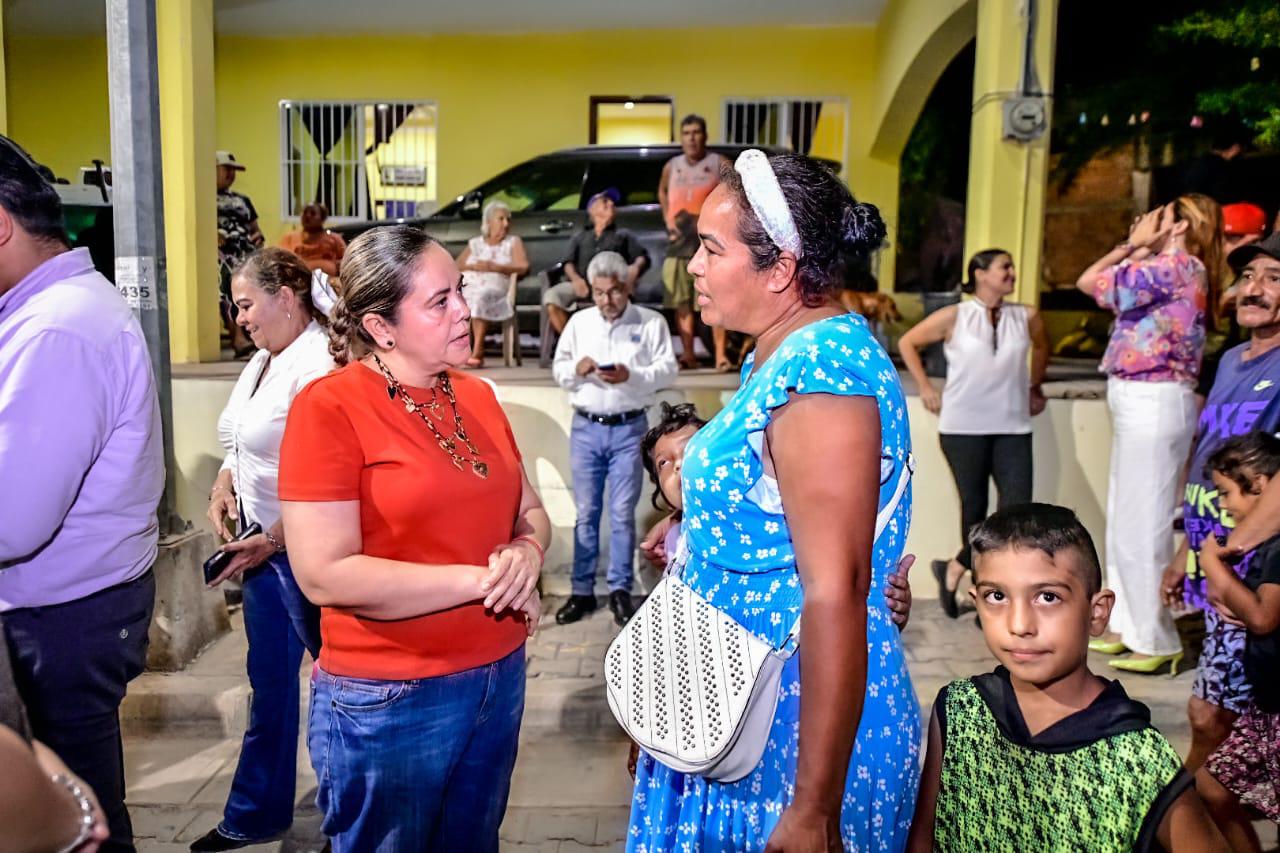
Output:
[[1161, 283]]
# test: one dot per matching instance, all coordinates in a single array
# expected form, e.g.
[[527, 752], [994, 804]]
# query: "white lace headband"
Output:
[[766, 198]]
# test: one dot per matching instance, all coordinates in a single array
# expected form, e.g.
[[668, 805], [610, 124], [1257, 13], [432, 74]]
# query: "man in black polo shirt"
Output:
[[603, 236]]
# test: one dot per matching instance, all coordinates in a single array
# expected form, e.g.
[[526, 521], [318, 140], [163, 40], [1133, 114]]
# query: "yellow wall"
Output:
[[506, 98], [502, 98], [57, 100]]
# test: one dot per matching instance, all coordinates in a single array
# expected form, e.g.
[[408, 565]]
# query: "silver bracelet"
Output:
[[275, 543], [86, 811]]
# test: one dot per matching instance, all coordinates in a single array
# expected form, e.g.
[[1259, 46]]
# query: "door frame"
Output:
[[596, 100]]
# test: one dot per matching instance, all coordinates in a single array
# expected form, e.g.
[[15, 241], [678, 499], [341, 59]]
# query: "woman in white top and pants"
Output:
[[991, 393], [283, 308]]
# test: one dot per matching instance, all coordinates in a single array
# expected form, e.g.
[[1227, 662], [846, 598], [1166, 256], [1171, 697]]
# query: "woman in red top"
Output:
[[319, 248], [413, 526]]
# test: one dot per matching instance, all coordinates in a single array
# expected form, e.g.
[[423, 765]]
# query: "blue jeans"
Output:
[[408, 766], [603, 455], [71, 663], [280, 624]]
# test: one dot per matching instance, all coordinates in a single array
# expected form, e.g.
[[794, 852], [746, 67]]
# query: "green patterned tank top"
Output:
[[1094, 795]]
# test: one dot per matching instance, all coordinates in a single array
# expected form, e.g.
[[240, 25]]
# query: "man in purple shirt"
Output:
[[82, 470]]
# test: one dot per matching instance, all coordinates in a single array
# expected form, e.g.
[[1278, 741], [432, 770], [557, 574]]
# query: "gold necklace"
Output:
[[447, 443]]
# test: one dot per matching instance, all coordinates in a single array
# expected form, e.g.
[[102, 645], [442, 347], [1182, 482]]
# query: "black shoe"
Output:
[[215, 841], [575, 608], [620, 604], [946, 597]]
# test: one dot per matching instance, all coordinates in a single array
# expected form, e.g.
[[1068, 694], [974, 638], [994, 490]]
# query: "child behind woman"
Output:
[[1042, 754], [1243, 774], [662, 451]]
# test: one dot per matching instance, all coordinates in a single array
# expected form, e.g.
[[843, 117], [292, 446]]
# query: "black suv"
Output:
[[548, 196]]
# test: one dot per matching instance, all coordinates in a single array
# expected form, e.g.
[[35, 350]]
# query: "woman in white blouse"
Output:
[[992, 392], [284, 312]]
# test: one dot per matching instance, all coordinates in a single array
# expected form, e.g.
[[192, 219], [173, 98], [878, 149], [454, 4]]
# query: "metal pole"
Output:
[[138, 201]]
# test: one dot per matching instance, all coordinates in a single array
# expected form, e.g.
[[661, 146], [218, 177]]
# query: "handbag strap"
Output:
[[883, 517]]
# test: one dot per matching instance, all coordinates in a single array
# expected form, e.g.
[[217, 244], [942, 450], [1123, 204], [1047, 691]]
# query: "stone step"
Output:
[[210, 698]]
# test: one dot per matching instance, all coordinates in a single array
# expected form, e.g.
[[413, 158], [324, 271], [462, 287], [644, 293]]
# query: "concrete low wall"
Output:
[[1071, 445]]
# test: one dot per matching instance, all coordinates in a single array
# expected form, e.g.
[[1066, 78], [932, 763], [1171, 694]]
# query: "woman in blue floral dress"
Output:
[[781, 490]]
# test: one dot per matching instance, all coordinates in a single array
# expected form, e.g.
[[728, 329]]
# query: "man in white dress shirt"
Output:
[[612, 359]]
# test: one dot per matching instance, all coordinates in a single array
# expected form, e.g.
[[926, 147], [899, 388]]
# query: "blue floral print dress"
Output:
[[740, 558]]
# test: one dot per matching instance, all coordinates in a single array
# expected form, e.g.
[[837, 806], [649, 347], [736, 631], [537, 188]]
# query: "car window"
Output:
[[541, 185], [635, 179]]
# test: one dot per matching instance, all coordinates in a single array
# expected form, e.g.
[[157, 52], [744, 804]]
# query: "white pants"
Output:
[[1153, 424]]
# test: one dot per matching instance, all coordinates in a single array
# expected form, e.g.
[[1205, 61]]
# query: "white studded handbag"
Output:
[[692, 686]]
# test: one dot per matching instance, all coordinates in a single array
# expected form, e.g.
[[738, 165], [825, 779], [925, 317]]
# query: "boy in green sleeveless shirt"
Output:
[[1042, 754]]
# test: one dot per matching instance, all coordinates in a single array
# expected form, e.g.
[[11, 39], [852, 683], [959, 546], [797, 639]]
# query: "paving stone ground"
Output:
[[570, 791]]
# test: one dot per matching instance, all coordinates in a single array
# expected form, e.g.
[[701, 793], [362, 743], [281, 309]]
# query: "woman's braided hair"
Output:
[[376, 273]]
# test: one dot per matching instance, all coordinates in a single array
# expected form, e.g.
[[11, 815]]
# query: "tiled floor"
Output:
[[570, 791]]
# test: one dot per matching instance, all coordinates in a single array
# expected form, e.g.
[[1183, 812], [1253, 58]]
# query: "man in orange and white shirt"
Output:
[[687, 180]]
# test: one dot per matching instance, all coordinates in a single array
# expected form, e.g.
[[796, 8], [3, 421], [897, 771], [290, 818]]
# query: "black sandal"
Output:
[[946, 597]]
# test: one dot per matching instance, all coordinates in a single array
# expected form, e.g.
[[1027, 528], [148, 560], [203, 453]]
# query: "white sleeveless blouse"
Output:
[[988, 375]]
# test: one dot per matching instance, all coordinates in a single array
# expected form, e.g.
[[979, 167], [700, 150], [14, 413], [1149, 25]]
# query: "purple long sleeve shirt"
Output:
[[81, 460]]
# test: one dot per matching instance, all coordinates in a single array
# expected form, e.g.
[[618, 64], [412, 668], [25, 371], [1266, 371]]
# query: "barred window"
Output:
[[815, 126], [364, 160]]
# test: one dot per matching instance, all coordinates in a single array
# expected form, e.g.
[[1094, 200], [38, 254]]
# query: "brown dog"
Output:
[[876, 307]]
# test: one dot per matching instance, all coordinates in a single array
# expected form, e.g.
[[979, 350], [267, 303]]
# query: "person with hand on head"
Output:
[[412, 524], [487, 264], [574, 292], [282, 307], [1041, 753], [82, 468], [1162, 285], [613, 358], [990, 396], [318, 247], [782, 491]]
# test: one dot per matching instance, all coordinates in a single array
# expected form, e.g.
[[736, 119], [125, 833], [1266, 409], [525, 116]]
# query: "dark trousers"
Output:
[[72, 662], [975, 460], [280, 624]]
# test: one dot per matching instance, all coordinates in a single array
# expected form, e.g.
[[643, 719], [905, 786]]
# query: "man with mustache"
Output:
[[1245, 397]]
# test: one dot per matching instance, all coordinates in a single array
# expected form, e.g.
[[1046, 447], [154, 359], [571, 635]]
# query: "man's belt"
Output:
[[612, 420]]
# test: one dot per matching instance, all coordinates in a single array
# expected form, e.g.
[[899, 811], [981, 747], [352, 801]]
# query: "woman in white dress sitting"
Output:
[[487, 264]]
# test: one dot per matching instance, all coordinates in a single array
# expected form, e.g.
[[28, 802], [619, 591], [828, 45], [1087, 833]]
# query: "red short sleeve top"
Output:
[[345, 439]]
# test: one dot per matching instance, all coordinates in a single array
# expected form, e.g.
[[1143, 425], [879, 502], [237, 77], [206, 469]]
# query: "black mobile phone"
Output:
[[217, 564], [606, 367]]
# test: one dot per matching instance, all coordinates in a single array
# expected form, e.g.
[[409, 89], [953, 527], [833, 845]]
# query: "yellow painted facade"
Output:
[[184, 36], [504, 98], [56, 99], [491, 116], [1008, 179]]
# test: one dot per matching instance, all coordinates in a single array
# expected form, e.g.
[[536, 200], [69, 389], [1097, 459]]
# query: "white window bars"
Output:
[[815, 126], [364, 160]]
